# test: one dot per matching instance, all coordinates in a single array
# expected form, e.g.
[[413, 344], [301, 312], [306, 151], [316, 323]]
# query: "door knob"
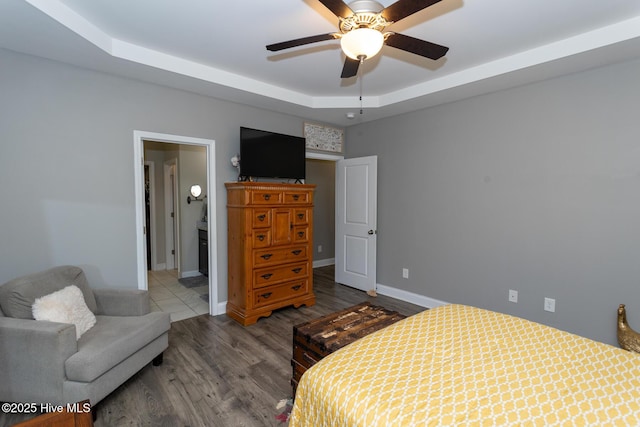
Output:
[[370, 232]]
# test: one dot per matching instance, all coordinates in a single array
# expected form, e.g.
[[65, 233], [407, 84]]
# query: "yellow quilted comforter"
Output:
[[458, 365]]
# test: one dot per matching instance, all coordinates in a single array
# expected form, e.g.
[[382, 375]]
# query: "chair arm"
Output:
[[122, 302], [32, 357]]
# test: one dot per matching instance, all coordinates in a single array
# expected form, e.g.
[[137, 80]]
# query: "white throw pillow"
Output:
[[65, 306]]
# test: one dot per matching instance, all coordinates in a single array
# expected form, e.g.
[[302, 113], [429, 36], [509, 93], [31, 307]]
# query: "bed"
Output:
[[459, 365]]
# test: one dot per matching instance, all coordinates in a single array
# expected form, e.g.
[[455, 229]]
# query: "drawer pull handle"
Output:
[[261, 237], [300, 233], [296, 197], [300, 216], [296, 270], [297, 252], [266, 295], [261, 217], [266, 256], [296, 287], [266, 276], [267, 196]]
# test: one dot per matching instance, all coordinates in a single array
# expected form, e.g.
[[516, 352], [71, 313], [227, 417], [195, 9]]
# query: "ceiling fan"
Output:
[[361, 35]]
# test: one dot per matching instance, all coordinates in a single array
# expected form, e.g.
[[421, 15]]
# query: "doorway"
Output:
[[162, 204], [322, 174], [141, 229], [355, 255]]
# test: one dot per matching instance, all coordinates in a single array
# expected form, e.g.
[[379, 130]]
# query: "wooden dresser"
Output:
[[270, 241]]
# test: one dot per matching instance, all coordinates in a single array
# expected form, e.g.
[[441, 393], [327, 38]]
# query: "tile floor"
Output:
[[168, 295]]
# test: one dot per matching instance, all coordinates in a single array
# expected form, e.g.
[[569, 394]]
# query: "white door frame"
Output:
[[152, 216], [170, 205], [138, 159], [323, 156]]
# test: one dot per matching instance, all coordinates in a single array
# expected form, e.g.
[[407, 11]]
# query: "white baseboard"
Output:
[[160, 266], [323, 262], [222, 308], [407, 296]]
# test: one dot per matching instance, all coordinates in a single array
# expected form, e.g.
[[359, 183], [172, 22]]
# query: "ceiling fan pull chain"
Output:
[[361, 78]]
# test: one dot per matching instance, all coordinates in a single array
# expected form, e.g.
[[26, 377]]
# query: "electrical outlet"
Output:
[[319, 248], [513, 295], [550, 304], [405, 273]]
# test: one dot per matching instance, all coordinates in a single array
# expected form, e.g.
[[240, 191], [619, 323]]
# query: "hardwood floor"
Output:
[[219, 373]]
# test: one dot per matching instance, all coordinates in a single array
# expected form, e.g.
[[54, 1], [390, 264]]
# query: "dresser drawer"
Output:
[[260, 197], [270, 276], [261, 218], [263, 257], [294, 197], [300, 233], [274, 294], [261, 238], [301, 216]]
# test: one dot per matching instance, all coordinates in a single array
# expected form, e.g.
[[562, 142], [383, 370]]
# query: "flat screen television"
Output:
[[271, 155]]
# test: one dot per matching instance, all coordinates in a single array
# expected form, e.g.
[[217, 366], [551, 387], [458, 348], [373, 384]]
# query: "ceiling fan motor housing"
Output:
[[362, 6], [366, 14]]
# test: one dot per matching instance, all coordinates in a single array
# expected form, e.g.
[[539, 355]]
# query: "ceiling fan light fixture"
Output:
[[362, 43]]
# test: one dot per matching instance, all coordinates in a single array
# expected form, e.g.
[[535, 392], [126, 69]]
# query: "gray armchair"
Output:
[[43, 362]]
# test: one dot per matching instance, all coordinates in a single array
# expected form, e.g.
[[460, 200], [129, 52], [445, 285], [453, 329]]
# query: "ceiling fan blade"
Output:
[[299, 42], [403, 8], [417, 46], [350, 68], [338, 7]]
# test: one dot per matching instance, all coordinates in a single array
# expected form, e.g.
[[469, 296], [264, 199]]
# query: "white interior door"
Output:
[[171, 210], [356, 222]]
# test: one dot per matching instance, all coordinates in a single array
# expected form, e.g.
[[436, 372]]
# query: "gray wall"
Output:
[[322, 173], [67, 167], [535, 189]]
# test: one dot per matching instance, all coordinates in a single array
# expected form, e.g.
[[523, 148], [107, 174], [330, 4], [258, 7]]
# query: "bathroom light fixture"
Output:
[[196, 190]]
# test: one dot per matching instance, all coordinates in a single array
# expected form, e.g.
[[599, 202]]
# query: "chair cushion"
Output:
[[18, 295], [65, 306], [112, 340]]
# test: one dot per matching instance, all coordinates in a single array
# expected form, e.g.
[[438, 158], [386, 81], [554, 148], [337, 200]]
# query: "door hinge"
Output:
[[172, 214], [173, 252]]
